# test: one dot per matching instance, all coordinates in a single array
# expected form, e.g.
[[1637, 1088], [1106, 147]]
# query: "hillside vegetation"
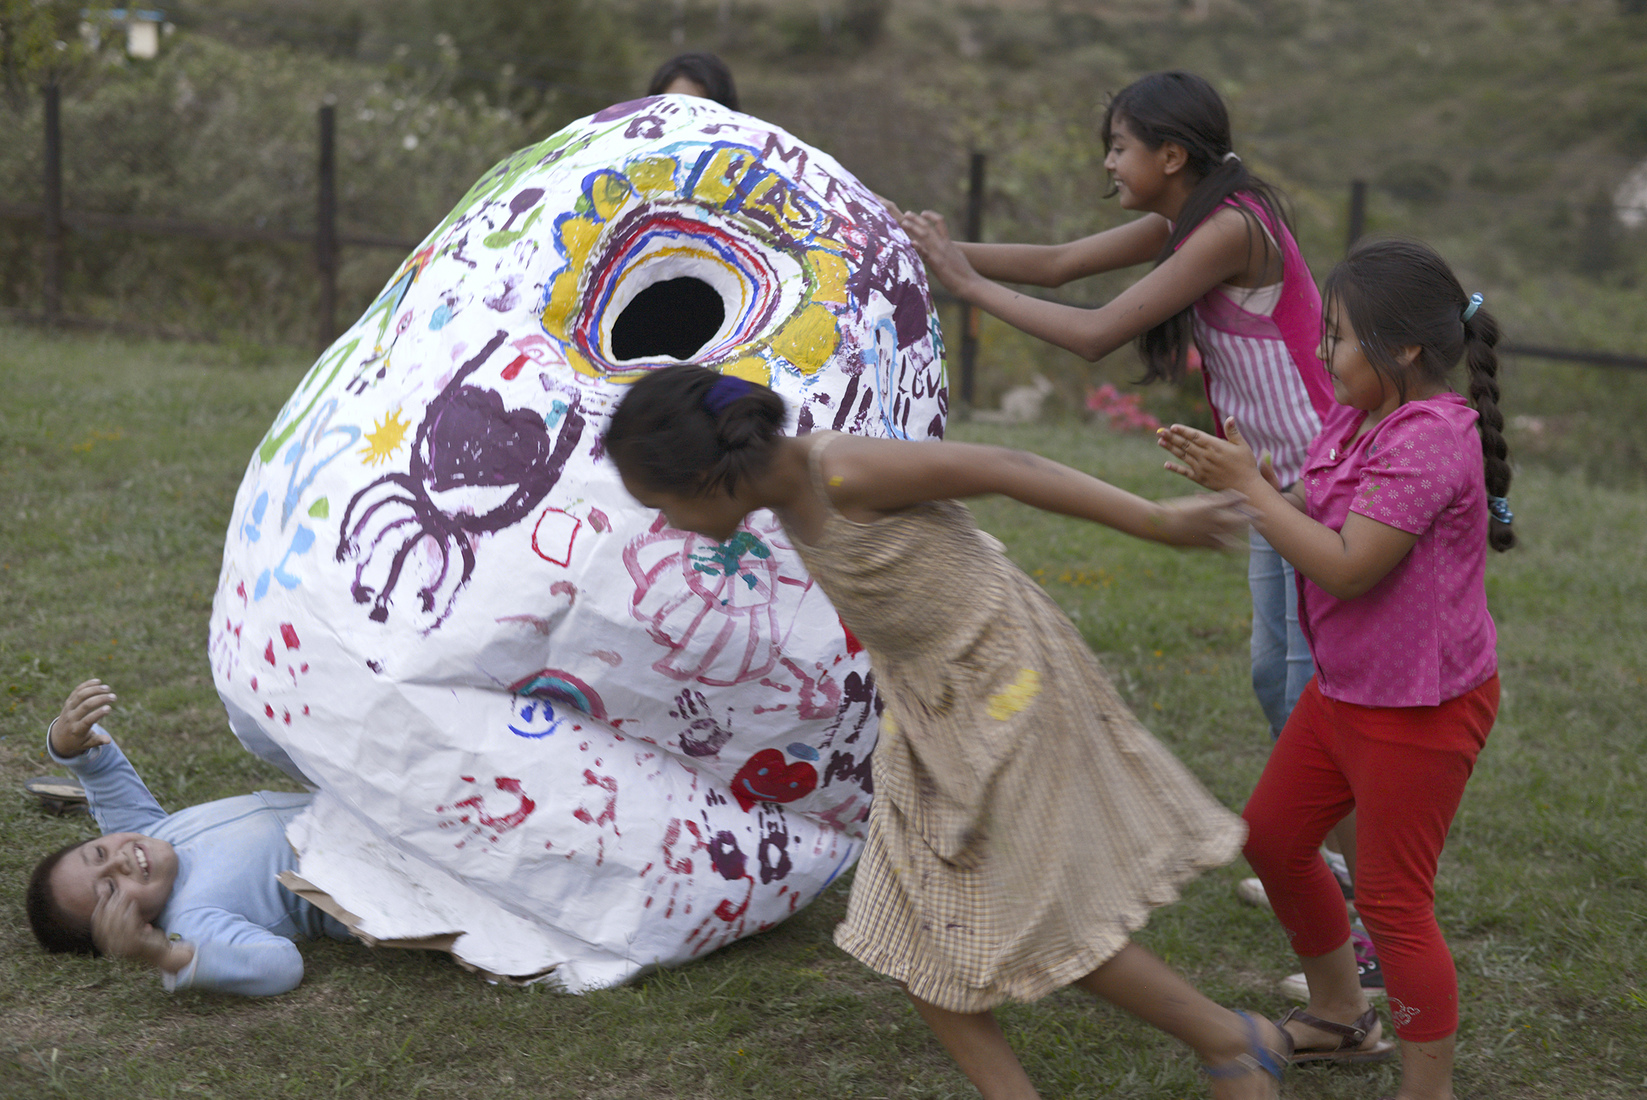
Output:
[[1500, 130]]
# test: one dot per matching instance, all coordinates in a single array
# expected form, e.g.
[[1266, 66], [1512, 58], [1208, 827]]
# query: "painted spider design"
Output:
[[467, 441]]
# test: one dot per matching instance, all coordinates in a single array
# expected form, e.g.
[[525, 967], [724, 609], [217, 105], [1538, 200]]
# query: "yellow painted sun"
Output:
[[385, 438]]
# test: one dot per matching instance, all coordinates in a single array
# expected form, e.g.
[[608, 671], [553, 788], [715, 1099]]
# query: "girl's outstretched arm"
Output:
[[1221, 249], [1136, 242], [1345, 563], [870, 478]]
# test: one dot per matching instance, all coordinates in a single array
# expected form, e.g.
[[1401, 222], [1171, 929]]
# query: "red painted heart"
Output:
[[766, 778]]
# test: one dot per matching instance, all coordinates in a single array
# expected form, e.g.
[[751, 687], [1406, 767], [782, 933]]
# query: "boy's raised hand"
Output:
[[87, 704]]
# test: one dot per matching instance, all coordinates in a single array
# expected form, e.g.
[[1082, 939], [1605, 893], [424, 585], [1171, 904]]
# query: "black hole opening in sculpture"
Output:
[[676, 317]]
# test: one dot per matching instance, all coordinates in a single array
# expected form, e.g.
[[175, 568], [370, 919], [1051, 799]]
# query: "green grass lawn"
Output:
[[118, 466]]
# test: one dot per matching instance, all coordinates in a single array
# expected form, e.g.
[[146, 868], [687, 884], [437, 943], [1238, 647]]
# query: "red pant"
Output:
[[1402, 770]]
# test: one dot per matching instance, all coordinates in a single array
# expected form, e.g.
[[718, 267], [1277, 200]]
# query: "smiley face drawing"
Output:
[[766, 777], [479, 600]]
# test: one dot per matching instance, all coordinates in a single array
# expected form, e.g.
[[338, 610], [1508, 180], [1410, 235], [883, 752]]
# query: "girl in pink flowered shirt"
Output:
[[1401, 494]]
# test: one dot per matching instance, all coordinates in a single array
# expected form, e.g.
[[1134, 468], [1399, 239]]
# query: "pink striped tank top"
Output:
[[1261, 368]]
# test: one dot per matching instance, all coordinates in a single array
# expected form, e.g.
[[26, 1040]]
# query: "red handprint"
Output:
[[481, 823]]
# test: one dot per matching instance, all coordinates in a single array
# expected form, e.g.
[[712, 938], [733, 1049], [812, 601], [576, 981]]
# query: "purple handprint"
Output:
[[704, 735]]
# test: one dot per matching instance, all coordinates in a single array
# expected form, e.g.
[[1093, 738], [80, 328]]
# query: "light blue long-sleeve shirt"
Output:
[[225, 903]]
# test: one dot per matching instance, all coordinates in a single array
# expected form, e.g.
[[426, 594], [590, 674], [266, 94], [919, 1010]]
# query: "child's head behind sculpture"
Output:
[[700, 74]]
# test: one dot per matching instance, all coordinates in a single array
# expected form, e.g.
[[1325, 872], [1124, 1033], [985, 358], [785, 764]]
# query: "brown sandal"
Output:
[[1349, 1048], [58, 794]]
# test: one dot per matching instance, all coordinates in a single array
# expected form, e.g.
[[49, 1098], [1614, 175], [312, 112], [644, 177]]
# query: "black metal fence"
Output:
[[56, 221], [326, 241]]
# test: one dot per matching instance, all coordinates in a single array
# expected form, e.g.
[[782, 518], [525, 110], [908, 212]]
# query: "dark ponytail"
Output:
[[1400, 293], [1184, 109], [691, 431]]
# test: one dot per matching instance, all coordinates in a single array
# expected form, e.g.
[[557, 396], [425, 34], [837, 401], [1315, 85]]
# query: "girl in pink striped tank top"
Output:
[[1228, 280]]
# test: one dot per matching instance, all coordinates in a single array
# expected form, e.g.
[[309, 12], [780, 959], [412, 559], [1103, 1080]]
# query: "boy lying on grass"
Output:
[[192, 894]]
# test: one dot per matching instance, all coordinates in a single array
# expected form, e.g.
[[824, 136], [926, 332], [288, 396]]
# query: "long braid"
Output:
[[1481, 359]]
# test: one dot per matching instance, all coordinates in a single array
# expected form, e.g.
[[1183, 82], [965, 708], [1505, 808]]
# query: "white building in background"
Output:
[[143, 29], [1630, 199]]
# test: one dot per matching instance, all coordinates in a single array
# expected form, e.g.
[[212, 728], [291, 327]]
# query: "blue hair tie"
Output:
[[723, 391], [1499, 507], [1469, 311]]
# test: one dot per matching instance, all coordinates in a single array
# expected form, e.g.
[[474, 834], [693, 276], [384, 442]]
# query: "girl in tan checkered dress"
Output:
[[1024, 823]]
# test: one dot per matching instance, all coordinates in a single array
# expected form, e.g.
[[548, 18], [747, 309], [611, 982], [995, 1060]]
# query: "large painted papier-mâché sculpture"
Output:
[[538, 717]]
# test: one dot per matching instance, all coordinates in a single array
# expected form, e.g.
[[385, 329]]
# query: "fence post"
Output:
[[326, 226], [53, 288], [969, 313], [1358, 212]]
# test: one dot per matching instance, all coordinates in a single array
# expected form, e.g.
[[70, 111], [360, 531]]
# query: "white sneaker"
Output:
[[1251, 891], [1297, 987]]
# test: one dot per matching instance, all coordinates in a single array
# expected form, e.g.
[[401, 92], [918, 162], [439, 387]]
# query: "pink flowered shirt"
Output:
[[1422, 634]]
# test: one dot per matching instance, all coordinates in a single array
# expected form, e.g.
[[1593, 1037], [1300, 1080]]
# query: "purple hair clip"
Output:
[[725, 390]]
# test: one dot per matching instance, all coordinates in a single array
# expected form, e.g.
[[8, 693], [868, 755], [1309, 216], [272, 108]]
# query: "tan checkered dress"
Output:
[[1024, 822]]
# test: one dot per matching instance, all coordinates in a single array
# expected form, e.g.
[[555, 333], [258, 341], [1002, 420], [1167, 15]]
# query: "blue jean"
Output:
[[1281, 663]]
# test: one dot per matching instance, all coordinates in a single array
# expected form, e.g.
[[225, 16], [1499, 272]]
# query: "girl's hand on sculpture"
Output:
[[944, 258]]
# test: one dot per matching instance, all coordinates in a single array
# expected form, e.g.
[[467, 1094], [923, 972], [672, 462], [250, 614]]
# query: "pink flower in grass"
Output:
[[1124, 411]]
